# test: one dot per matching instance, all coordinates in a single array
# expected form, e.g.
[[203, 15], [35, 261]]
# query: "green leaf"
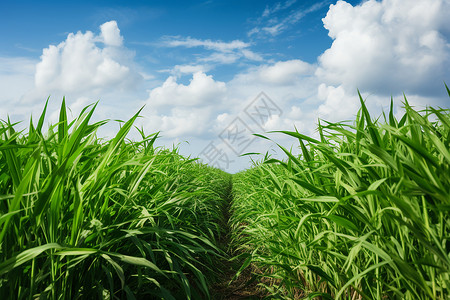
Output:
[[62, 125], [343, 221], [25, 256], [317, 270]]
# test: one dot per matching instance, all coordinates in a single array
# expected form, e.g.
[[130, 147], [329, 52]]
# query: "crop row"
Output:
[[84, 218], [362, 213]]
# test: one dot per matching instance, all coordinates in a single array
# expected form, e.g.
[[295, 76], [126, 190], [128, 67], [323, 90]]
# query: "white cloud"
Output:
[[223, 117], [79, 64], [208, 44], [285, 72], [338, 104], [275, 29], [271, 10], [388, 47], [111, 34], [205, 102], [289, 84], [278, 6], [276, 122], [16, 65], [179, 70], [202, 90], [254, 30], [221, 58], [280, 73], [275, 26], [84, 68], [16, 78], [180, 123], [251, 55], [223, 52]]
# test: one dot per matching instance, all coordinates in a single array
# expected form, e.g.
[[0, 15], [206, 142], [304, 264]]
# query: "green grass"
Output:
[[83, 218], [362, 213]]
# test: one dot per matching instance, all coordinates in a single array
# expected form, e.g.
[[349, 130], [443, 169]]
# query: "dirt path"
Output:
[[243, 287]]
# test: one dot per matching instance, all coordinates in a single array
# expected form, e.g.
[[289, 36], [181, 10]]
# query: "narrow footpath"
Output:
[[241, 288]]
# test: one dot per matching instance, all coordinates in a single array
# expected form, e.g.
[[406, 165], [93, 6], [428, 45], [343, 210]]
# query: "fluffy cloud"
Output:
[[338, 104], [202, 90], [284, 72], [285, 81], [289, 84], [278, 73], [84, 68], [388, 47], [79, 64], [276, 122], [110, 34], [179, 70], [179, 123]]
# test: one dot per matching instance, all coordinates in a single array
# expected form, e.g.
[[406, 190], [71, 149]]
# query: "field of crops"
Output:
[[362, 213], [83, 218]]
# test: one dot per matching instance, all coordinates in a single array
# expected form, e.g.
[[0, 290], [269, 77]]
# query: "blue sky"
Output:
[[36, 24], [199, 67]]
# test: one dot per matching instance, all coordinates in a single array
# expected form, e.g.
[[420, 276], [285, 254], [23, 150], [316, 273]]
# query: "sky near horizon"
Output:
[[211, 73]]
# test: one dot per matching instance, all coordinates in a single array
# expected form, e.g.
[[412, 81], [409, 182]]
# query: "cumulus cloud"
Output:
[[79, 64], [180, 122], [284, 72], [201, 90], [276, 122], [289, 84], [388, 47], [179, 70], [110, 34], [338, 104], [84, 68], [278, 74]]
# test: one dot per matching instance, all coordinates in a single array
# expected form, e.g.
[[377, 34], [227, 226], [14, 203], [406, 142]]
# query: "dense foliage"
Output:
[[362, 213], [92, 219]]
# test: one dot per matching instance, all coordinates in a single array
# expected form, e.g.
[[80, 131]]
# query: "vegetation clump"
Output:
[[362, 213], [82, 218]]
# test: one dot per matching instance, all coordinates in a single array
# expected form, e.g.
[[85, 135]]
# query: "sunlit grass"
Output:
[[93, 219], [362, 213]]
